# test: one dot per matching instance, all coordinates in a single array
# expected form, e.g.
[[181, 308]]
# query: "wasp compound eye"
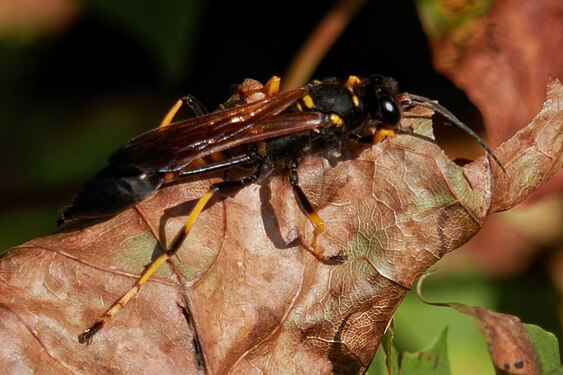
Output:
[[390, 112]]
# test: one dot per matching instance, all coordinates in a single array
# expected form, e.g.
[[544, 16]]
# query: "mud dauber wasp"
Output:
[[264, 135]]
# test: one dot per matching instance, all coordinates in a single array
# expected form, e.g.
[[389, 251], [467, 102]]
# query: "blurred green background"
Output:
[[79, 78]]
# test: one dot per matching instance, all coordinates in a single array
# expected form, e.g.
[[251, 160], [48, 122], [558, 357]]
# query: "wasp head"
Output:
[[380, 101], [385, 104]]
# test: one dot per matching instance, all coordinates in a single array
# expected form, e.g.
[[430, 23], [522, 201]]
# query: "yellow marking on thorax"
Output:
[[355, 100], [307, 101], [335, 119], [351, 83]]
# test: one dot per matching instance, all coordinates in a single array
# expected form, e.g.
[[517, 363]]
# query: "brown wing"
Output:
[[270, 127], [173, 147], [280, 125]]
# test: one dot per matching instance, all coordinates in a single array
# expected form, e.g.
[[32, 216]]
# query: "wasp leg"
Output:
[[269, 89], [318, 223], [379, 136], [224, 188], [272, 87], [191, 102], [382, 134]]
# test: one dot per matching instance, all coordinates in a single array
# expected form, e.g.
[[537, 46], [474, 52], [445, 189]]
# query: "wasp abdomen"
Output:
[[110, 192]]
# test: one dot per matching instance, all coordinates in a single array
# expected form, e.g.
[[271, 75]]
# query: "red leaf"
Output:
[[499, 54]]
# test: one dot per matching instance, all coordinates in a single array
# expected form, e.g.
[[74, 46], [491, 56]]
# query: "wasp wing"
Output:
[[173, 147], [281, 125], [268, 128]]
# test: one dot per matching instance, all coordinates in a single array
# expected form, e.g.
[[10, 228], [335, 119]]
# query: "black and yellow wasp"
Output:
[[263, 136]]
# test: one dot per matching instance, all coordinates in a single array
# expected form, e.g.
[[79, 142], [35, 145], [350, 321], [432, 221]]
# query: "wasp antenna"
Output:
[[415, 100]]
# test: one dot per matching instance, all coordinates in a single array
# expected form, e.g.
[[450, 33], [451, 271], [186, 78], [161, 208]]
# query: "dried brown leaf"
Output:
[[510, 347], [242, 287], [509, 344], [511, 46], [533, 155]]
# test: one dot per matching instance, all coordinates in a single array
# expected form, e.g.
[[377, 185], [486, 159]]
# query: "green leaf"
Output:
[[547, 348], [441, 18], [431, 360], [391, 355], [378, 366]]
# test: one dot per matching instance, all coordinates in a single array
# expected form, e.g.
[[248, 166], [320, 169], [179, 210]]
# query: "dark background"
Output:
[[69, 98]]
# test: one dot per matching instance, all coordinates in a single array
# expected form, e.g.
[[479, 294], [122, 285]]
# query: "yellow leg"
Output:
[[196, 107], [381, 134], [351, 83], [87, 336], [224, 188], [171, 113], [272, 87], [317, 222], [269, 89], [318, 229]]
